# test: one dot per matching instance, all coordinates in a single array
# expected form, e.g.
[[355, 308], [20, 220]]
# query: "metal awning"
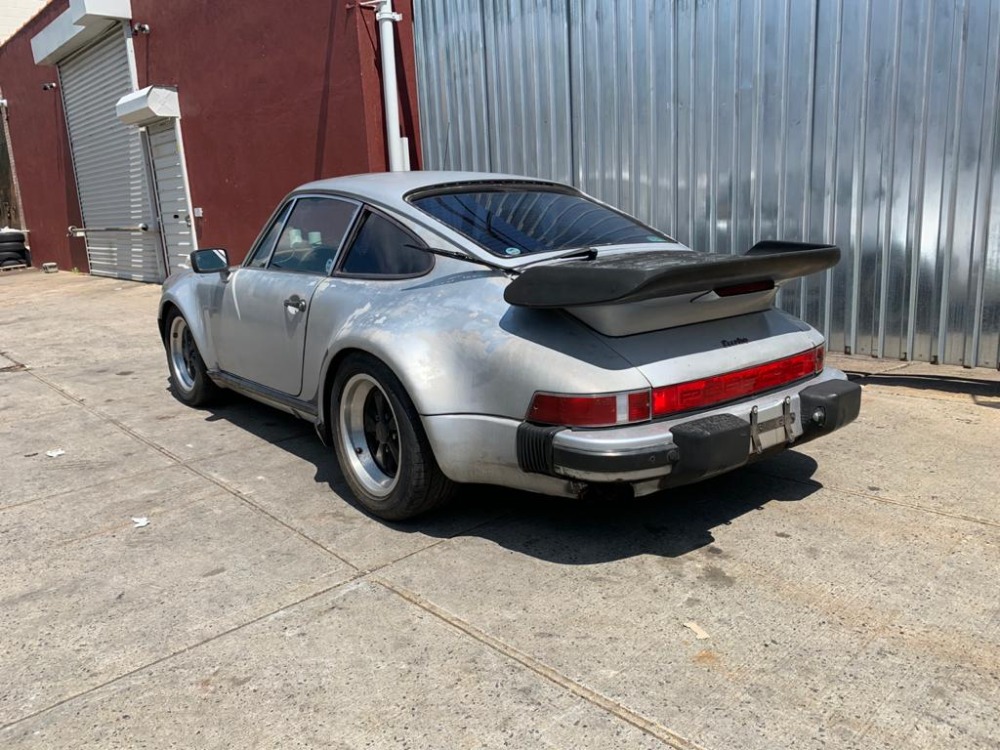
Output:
[[83, 22], [148, 104]]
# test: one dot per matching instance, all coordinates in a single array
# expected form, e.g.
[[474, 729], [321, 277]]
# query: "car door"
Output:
[[265, 305]]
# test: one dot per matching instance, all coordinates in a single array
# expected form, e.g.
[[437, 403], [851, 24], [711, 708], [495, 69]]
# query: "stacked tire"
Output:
[[13, 251]]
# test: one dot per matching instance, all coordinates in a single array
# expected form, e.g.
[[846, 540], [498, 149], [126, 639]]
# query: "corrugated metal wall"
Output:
[[870, 123]]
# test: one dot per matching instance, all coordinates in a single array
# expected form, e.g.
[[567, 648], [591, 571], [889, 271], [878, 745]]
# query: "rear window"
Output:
[[520, 221]]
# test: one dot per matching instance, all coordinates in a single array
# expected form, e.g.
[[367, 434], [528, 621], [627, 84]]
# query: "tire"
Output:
[[380, 443], [188, 375], [9, 257], [12, 236]]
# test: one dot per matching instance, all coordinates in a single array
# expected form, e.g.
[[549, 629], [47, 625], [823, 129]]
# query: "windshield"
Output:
[[513, 221]]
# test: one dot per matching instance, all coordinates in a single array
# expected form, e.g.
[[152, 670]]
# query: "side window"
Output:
[[263, 250], [312, 235], [380, 249]]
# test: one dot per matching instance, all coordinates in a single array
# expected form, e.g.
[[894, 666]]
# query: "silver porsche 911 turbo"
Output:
[[449, 327]]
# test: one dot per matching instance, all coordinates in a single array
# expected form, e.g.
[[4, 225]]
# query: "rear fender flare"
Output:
[[486, 370], [331, 364]]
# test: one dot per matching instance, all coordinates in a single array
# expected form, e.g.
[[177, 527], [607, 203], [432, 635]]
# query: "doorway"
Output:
[[173, 195]]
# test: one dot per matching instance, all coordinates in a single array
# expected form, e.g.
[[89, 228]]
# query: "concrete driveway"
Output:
[[843, 595]]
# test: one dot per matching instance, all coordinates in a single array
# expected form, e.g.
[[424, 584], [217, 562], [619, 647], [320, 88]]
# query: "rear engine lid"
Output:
[[691, 369], [716, 347]]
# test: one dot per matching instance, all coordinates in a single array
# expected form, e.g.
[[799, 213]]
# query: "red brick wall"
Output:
[[41, 149], [271, 96]]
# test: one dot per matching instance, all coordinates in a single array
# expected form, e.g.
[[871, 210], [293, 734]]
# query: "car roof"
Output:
[[388, 188]]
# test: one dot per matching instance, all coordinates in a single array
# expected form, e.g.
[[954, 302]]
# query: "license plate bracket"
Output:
[[784, 421]]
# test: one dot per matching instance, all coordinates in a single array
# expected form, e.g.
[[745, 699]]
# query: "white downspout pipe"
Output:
[[390, 91], [5, 134]]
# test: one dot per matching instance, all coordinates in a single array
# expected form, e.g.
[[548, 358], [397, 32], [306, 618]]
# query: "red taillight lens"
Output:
[[638, 406], [610, 409], [603, 410], [718, 389]]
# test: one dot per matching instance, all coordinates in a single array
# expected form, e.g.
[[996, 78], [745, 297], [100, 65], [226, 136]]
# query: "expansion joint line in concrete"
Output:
[[591, 696], [181, 462], [238, 494], [180, 651], [650, 727], [881, 499]]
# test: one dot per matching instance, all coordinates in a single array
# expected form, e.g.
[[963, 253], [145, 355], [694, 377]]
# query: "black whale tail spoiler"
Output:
[[627, 277]]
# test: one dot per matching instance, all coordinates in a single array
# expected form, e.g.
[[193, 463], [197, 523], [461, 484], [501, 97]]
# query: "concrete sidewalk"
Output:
[[848, 590]]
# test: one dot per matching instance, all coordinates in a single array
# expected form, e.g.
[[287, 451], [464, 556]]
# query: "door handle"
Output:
[[295, 302]]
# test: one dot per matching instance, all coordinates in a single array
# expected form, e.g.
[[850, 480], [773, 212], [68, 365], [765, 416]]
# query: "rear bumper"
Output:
[[691, 448]]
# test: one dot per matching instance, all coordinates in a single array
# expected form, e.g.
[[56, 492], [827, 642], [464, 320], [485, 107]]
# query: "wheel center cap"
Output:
[[381, 432]]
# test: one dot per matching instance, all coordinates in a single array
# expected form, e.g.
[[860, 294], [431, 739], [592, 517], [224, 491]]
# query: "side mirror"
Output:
[[210, 260]]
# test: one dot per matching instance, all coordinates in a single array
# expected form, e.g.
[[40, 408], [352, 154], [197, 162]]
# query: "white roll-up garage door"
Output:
[[111, 175]]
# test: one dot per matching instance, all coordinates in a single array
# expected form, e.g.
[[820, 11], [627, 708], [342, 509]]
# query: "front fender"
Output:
[[199, 298]]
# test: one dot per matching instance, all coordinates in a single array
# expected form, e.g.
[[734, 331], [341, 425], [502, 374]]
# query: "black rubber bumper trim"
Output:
[[711, 444], [537, 455], [613, 463], [700, 447], [829, 406], [534, 447]]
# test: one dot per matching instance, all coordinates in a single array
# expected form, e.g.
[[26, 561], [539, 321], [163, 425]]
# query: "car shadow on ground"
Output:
[[981, 391], [671, 523], [564, 531]]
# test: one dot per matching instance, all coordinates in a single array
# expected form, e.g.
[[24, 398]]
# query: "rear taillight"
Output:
[[718, 389], [612, 409], [601, 410]]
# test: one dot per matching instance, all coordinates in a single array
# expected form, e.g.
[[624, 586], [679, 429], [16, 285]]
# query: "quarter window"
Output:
[[263, 250], [381, 248], [312, 235]]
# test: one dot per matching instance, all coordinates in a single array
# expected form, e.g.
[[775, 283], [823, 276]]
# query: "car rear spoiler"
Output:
[[633, 277]]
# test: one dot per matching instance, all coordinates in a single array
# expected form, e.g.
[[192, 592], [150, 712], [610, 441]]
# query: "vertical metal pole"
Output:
[[390, 92], [154, 195], [10, 156]]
